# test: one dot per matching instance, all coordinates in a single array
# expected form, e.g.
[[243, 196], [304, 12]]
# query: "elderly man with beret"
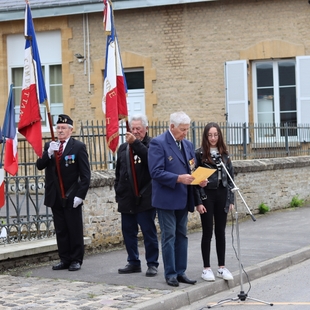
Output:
[[74, 169]]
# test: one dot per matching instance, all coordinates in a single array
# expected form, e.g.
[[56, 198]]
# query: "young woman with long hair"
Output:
[[214, 200]]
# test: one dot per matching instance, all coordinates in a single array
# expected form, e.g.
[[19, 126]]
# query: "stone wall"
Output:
[[272, 181]]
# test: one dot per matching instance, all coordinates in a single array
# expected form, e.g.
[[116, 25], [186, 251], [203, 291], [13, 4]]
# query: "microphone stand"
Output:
[[242, 296]]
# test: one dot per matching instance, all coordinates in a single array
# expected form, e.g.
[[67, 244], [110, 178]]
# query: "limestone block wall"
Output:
[[272, 181]]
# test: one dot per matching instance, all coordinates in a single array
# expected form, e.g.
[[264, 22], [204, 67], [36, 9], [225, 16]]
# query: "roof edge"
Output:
[[89, 8]]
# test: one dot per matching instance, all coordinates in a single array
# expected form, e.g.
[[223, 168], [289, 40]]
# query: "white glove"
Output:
[[77, 201], [54, 146]]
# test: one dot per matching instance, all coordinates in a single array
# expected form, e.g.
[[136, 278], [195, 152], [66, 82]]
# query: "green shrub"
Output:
[[296, 202], [263, 208]]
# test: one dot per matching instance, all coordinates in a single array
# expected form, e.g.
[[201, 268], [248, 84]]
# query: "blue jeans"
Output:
[[130, 229], [173, 225]]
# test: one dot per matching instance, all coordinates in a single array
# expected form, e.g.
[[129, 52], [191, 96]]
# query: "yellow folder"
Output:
[[201, 173]]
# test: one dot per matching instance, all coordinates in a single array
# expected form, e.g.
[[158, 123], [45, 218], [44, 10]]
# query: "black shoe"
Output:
[[185, 279], [60, 266], [74, 266], [172, 281], [129, 269], [151, 271]]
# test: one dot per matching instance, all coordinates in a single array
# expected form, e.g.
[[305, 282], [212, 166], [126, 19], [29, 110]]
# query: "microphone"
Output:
[[216, 157]]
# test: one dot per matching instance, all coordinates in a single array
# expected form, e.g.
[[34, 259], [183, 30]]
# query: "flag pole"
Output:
[[42, 88], [132, 164], [61, 185], [121, 110]]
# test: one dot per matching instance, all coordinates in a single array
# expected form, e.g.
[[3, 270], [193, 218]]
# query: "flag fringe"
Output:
[[112, 137]]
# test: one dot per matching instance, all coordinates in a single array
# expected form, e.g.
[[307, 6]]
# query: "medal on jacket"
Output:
[[69, 159], [137, 159], [192, 164]]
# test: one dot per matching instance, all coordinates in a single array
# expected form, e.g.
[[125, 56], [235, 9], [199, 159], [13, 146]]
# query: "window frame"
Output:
[[265, 134]]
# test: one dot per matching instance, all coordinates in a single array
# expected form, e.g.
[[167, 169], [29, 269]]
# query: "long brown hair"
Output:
[[205, 145]]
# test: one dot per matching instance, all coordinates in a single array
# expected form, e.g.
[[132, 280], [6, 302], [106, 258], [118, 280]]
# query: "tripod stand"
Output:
[[242, 296]]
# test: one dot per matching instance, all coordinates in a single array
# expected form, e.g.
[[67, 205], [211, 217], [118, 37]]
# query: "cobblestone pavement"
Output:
[[19, 293]]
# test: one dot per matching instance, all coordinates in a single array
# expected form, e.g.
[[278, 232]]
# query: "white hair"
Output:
[[139, 117], [178, 118]]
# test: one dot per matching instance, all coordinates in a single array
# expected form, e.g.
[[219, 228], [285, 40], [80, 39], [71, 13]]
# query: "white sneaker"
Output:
[[207, 275], [224, 273]]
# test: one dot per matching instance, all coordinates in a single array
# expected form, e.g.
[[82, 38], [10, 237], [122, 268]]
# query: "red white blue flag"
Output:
[[33, 91], [10, 135], [2, 199], [114, 102]]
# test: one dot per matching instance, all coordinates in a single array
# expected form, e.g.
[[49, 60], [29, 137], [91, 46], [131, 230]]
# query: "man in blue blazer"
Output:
[[171, 160]]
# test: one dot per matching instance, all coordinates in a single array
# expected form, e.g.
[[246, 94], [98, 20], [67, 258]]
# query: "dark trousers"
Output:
[[69, 234], [215, 205], [130, 229]]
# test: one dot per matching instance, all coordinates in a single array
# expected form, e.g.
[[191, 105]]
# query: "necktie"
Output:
[[61, 147], [179, 144]]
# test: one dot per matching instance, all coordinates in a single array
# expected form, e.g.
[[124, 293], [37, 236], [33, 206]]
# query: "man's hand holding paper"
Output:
[[201, 174]]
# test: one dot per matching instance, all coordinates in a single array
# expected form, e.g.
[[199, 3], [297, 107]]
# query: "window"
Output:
[[275, 92], [274, 95], [281, 95], [53, 83], [51, 68], [134, 79]]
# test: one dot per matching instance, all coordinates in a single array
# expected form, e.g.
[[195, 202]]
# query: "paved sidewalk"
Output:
[[273, 242]]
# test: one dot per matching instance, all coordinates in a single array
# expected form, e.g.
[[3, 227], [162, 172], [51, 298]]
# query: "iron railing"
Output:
[[244, 141], [24, 216]]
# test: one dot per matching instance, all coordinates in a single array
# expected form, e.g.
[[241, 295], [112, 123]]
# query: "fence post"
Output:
[[244, 140], [286, 139], [194, 134]]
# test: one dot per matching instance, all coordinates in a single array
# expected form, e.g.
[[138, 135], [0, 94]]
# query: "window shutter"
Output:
[[303, 96], [236, 99]]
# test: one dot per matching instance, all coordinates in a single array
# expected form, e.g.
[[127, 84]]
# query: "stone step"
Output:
[[28, 248]]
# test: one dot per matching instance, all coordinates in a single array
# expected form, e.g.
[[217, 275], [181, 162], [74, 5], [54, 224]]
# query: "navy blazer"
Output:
[[166, 162]]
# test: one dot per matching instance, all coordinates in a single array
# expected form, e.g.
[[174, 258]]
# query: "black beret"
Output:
[[64, 119]]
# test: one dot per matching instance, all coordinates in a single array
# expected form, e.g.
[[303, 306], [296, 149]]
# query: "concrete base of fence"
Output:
[[21, 254], [28, 248]]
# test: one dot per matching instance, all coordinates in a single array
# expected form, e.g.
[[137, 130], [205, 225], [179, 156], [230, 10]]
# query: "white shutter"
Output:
[[49, 44], [236, 99], [303, 96]]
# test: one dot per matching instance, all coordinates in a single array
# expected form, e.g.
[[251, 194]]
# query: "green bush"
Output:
[[296, 202], [263, 208]]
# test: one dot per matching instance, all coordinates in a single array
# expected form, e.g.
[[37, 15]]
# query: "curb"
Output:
[[186, 297]]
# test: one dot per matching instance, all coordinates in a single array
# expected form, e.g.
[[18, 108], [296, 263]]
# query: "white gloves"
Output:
[[77, 201], [54, 146]]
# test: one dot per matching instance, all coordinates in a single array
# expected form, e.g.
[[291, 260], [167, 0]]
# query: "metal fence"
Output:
[[244, 141], [24, 216]]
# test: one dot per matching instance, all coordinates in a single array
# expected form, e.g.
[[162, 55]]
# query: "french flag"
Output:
[[33, 90], [10, 135], [2, 199], [114, 102]]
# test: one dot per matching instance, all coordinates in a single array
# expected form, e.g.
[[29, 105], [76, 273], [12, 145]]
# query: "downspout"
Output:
[[84, 43], [88, 52]]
